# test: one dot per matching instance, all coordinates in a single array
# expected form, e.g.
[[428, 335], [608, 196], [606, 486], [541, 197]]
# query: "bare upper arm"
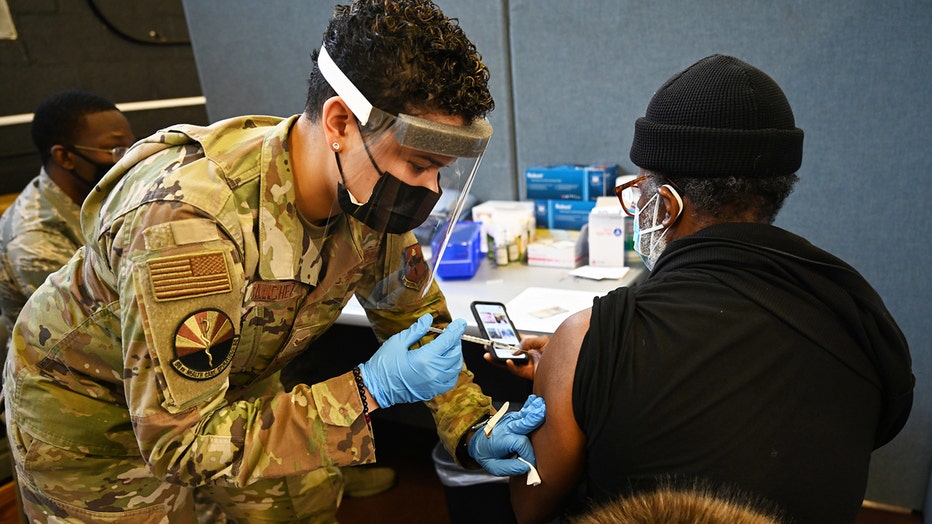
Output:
[[559, 444]]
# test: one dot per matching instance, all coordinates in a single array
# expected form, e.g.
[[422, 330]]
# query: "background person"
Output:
[[749, 357], [147, 368], [79, 136]]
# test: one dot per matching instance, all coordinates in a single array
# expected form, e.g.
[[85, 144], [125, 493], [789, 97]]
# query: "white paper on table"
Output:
[[600, 272], [542, 310]]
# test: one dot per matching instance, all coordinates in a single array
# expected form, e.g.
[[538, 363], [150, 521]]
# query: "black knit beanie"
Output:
[[718, 117]]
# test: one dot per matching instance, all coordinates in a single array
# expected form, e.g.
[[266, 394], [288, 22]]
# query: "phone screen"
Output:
[[497, 326]]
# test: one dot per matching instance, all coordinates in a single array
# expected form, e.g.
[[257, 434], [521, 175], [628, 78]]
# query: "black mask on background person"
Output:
[[101, 169], [394, 206]]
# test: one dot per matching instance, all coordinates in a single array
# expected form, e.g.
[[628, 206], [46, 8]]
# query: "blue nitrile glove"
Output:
[[397, 374], [509, 436]]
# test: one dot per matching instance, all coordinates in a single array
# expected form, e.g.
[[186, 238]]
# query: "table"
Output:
[[510, 285], [506, 284]]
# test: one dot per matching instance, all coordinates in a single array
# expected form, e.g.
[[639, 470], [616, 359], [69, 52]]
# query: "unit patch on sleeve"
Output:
[[415, 267], [204, 344], [189, 275]]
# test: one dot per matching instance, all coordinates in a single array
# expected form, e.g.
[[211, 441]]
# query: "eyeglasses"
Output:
[[629, 193], [116, 152]]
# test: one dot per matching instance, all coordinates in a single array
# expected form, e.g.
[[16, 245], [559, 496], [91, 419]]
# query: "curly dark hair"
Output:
[[734, 198], [406, 57], [60, 118]]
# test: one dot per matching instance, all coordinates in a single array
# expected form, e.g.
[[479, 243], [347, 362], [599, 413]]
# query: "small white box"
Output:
[[607, 233], [488, 211], [558, 248]]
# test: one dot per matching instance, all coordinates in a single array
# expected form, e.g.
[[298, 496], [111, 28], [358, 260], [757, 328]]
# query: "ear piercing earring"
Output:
[[336, 146]]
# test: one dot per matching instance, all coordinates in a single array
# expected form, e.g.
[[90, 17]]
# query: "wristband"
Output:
[[357, 375], [462, 451]]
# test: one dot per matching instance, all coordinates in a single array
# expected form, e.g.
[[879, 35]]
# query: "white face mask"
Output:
[[651, 246]]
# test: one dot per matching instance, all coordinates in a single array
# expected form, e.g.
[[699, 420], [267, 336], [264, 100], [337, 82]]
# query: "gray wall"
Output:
[[570, 77], [271, 48]]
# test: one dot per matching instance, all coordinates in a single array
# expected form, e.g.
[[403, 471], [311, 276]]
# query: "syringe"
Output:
[[484, 341]]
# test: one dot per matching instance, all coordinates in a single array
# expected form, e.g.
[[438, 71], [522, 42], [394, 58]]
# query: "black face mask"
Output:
[[101, 169], [394, 206]]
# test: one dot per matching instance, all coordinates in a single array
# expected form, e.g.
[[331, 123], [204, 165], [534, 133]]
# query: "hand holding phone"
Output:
[[496, 325]]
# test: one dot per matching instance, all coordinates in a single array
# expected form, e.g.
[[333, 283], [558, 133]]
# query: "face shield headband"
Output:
[[464, 144], [409, 131]]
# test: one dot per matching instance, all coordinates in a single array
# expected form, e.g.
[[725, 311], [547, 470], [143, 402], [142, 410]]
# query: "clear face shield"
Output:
[[403, 166]]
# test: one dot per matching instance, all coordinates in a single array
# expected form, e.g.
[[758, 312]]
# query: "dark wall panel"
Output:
[[125, 51]]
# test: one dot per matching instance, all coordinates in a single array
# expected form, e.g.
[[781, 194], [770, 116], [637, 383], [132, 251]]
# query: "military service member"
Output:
[[79, 136], [147, 368]]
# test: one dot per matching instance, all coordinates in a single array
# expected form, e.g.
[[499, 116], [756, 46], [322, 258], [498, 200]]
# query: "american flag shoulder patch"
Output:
[[189, 275]]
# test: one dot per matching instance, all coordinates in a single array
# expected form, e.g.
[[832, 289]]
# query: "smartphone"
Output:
[[496, 325]]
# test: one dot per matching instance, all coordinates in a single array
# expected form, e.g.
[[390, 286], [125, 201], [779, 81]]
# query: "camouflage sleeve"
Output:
[[457, 410], [34, 255], [181, 281], [390, 290]]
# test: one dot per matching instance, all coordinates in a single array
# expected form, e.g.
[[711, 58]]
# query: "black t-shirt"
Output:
[[774, 370]]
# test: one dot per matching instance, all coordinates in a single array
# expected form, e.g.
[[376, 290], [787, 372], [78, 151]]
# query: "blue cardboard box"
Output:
[[570, 182], [562, 214], [463, 253]]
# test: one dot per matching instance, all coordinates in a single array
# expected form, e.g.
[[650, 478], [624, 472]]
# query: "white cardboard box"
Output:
[[558, 248], [607, 233]]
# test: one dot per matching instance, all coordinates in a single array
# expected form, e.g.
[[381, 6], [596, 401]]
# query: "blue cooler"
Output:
[[463, 254]]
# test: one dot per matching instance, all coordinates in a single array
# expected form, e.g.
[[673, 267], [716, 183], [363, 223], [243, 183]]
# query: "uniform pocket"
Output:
[[64, 484]]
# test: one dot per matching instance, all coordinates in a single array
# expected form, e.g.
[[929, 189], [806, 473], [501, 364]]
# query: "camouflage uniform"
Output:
[[149, 364], [38, 233]]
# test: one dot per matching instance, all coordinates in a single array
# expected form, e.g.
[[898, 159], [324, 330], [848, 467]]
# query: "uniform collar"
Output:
[[56, 196], [286, 252]]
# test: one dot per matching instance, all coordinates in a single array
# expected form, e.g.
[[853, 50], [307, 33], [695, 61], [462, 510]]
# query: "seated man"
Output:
[[749, 358], [79, 136]]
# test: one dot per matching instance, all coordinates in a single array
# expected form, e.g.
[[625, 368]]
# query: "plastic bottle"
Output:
[[501, 247]]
